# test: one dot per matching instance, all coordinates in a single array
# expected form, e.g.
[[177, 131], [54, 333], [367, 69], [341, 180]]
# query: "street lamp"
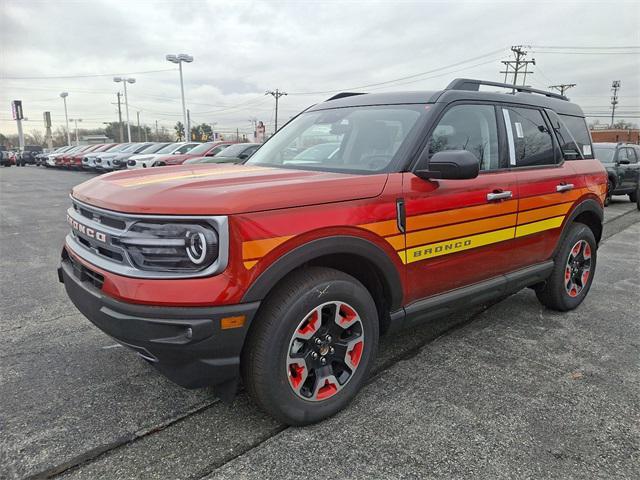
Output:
[[126, 101], [183, 57], [64, 96], [76, 120]]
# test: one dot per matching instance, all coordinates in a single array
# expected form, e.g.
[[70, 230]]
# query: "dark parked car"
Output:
[[5, 156], [28, 155], [622, 161]]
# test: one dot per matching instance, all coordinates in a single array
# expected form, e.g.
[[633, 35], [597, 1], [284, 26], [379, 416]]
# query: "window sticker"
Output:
[[586, 150], [519, 131]]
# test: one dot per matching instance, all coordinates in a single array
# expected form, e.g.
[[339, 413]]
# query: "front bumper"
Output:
[[186, 344]]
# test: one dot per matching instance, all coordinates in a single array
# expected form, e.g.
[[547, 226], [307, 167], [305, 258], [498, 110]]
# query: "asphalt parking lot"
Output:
[[506, 391]]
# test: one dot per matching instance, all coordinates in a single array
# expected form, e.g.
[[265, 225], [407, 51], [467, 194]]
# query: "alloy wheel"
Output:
[[578, 268], [325, 351]]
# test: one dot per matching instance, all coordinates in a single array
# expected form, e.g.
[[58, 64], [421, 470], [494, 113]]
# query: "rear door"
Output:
[[459, 232], [629, 169], [546, 183]]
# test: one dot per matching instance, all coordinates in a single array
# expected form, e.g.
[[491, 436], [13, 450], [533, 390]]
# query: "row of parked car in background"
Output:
[[621, 160], [119, 156]]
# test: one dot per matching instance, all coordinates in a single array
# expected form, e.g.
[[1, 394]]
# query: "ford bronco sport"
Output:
[[283, 272]]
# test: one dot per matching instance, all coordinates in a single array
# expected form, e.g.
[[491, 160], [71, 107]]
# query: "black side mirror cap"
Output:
[[451, 165]]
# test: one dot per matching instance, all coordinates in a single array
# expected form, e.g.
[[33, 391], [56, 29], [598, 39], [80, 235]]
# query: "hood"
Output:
[[222, 189], [177, 158]]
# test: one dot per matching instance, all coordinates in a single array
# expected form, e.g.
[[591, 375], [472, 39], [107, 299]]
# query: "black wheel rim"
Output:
[[325, 351], [578, 268]]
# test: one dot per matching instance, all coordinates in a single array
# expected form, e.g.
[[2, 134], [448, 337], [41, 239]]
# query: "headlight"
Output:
[[175, 247]]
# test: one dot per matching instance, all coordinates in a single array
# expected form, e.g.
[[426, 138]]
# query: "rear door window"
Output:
[[529, 138], [580, 133]]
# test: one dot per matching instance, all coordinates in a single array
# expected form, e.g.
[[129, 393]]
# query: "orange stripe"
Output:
[[542, 213], [387, 227], [259, 248], [250, 265], [539, 201], [453, 231], [429, 220]]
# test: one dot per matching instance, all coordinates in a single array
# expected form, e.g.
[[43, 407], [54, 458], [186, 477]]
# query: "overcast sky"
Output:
[[242, 49]]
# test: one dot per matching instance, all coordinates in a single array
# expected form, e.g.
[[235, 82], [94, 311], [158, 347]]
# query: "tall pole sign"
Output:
[[18, 116], [47, 127]]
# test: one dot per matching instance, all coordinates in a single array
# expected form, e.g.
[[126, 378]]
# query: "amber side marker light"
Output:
[[232, 322]]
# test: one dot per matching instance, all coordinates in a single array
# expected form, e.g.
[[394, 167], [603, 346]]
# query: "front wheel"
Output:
[[607, 198], [311, 347], [572, 275], [638, 195]]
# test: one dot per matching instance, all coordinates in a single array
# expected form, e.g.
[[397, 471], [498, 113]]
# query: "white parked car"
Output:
[[51, 158], [148, 160]]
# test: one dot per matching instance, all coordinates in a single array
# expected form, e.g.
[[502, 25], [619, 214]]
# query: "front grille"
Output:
[[83, 273]]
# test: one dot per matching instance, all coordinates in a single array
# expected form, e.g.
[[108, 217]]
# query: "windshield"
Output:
[[200, 149], [361, 139], [131, 148], [604, 154], [169, 148], [233, 150]]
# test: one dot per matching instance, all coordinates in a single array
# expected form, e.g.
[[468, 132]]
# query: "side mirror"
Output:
[[451, 165], [624, 162]]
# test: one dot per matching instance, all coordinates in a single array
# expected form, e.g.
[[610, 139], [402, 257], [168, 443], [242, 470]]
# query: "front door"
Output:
[[460, 232]]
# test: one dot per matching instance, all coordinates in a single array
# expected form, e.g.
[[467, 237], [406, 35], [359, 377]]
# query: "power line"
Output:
[[601, 47], [276, 94], [519, 65], [446, 67]]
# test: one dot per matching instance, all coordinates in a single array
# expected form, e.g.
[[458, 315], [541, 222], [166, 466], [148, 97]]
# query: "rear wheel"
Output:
[[572, 275], [312, 346], [634, 196], [638, 195]]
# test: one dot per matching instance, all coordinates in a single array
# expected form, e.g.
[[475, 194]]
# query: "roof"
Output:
[[455, 92]]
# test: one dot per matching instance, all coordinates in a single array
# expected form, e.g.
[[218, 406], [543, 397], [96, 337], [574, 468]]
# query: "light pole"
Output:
[[64, 96], [126, 101], [76, 120], [182, 57]]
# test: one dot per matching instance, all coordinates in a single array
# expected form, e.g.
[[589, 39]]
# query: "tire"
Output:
[[633, 197], [638, 195], [567, 285], [304, 392]]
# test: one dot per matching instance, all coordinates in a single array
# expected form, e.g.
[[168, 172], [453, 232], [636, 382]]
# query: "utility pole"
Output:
[[615, 86], [187, 127], [276, 94], [139, 134], [563, 87], [156, 130], [120, 119], [517, 66]]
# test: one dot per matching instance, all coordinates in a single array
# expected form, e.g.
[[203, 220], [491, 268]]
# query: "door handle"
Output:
[[564, 187], [499, 195]]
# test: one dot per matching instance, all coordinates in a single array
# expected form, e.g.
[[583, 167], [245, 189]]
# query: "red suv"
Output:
[[209, 149], [285, 270]]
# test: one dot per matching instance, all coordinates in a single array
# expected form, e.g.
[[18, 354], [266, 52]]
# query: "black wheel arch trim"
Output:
[[341, 244], [588, 205]]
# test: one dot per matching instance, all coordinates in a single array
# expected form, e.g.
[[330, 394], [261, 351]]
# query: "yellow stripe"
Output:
[[457, 245], [530, 228]]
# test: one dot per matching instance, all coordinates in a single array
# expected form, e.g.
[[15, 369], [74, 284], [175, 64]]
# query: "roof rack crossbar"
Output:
[[474, 85]]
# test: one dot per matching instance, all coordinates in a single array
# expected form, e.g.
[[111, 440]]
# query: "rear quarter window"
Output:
[[580, 133]]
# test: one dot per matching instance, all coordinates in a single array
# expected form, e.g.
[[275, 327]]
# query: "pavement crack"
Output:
[[98, 452]]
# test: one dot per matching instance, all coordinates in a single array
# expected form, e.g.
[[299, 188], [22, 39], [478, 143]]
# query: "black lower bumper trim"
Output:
[[186, 344]]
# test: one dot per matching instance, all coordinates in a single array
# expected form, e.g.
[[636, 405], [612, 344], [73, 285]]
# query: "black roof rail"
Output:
[[344, 94], [474, 85]]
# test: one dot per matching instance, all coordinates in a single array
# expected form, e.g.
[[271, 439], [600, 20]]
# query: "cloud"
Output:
[[242, 49]]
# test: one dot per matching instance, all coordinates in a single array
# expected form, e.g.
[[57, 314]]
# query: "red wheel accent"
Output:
[[347, 314], [310, 325], [296, 375], [587, 251], [327, 390], [355, 353], [576, 249], [585, 278]]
